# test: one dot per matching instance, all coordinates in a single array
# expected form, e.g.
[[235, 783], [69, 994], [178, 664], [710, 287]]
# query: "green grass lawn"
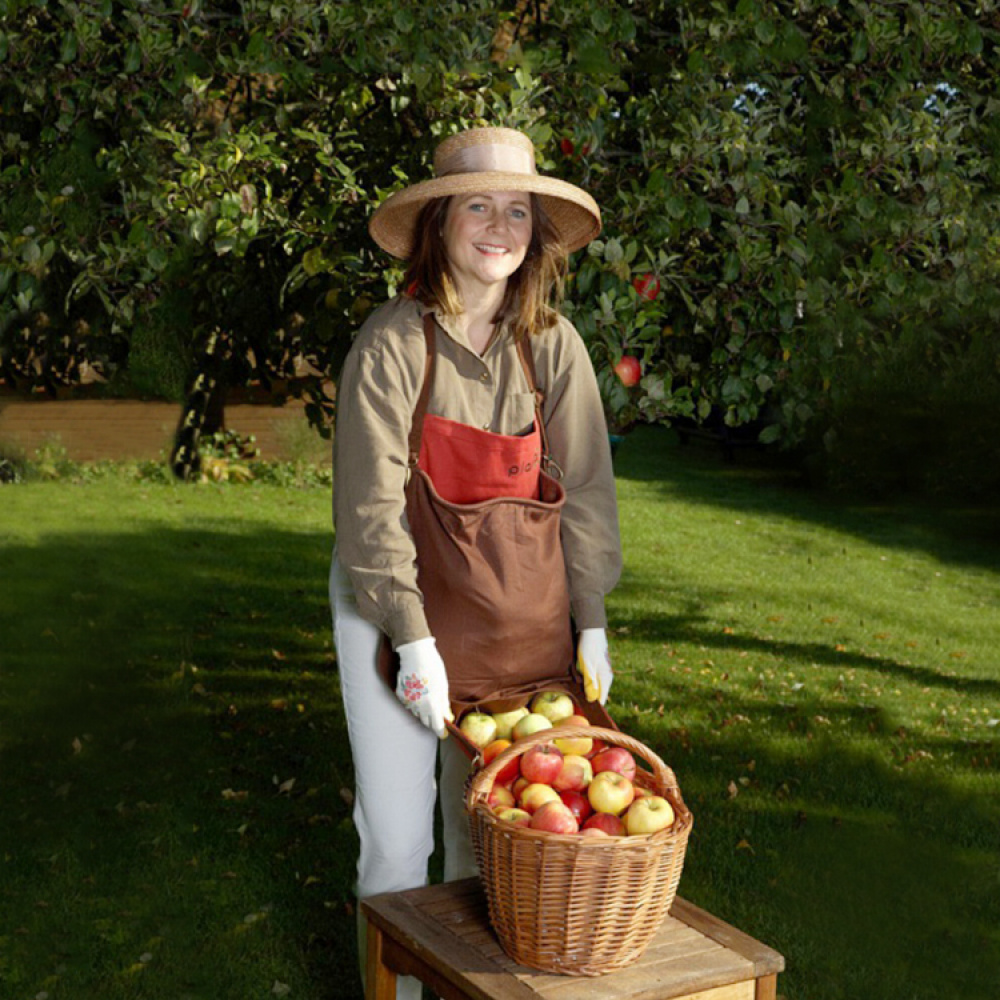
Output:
[[822, 675]]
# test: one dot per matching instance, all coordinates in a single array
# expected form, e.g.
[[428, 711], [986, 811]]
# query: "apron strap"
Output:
[[420, 411], [528, 364]]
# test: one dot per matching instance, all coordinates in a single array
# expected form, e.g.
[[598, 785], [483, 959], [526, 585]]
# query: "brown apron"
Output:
[[491, 572]]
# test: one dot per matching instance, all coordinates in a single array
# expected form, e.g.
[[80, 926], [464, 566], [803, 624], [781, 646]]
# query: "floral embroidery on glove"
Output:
[[414, 687]]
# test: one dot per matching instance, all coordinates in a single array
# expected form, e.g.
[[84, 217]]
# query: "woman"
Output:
[[437, 420]]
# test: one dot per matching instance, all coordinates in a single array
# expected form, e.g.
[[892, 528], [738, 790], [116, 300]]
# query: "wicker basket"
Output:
[[577, 905]]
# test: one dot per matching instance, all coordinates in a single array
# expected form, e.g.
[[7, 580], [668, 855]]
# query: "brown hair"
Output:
[[534, 290]]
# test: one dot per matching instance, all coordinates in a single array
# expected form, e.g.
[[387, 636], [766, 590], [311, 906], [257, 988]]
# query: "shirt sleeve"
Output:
[[376, 395], [578, 441]]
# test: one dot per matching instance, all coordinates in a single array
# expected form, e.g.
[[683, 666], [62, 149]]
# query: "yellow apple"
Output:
[[581, 745], [554, 705], [505, 722], [531, 723], [647, 815]]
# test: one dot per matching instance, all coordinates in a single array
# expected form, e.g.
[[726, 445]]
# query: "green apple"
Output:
[[556, 706], [506, 721], [531, 723], [479, 728]]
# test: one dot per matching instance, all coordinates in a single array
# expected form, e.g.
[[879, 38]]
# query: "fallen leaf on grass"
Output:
[[77, 745], [230, 794], [286, 786], [745, 845], [280, 989], [732, 789]]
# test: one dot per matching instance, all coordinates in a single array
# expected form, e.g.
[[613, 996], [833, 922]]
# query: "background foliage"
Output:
[[804, 194]]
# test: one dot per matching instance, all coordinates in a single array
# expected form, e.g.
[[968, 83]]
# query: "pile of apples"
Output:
[[569, 785]]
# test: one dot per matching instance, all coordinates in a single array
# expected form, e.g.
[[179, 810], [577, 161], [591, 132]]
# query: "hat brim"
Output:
[[572, 211]]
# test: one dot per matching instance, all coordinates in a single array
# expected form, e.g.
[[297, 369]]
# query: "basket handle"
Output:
[[481, 782]]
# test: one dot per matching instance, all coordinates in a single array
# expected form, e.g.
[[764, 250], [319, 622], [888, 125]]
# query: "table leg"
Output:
[[767, 988], [380, 980]]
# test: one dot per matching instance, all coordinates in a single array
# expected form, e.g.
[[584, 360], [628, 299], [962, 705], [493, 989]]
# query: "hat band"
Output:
[[489, 157]]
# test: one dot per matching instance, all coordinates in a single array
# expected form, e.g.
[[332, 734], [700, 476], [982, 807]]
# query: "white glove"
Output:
[[422, 684], [594, 663]]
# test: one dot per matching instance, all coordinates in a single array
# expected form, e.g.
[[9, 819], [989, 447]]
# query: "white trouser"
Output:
[[394, 766]]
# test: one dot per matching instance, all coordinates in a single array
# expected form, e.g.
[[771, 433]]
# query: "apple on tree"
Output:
[[629, 371], [647, 286]]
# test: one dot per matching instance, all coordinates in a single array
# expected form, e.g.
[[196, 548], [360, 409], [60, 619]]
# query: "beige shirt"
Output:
[[378, 391]]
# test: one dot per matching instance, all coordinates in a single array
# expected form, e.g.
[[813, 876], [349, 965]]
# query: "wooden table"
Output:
[[441, 934]]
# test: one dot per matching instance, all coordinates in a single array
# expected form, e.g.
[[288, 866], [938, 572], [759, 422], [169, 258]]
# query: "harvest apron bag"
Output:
[[484, 513]]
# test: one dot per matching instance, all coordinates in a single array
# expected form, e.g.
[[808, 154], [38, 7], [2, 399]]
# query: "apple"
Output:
[[536, 795], [598, 746], [610, 792], [479, 728], [519, 817], [554, 705], [578, 803], [609, 824], [554, 817], [614, 759], [518, 785], [641, 791], [647, 286], [593, 831], [629, 371], [542, 763], [649, 815], [566, 146], [533, 722], [510, 770], [574, 774], [575, 744], [500, 795], [505, 722]]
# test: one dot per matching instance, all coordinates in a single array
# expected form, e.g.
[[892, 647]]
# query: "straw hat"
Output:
[[478, 161]]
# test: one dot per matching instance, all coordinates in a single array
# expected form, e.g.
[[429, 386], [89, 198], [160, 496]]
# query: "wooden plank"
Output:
[[766, 960], [427, 949]]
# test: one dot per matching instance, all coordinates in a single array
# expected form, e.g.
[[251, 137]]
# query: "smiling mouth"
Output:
[[490, 248]]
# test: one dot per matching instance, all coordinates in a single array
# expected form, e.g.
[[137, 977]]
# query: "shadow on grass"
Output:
[[867, 856], [765, 483], [174, 769]]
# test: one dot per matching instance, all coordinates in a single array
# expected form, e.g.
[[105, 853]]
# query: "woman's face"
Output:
[[486, 237]]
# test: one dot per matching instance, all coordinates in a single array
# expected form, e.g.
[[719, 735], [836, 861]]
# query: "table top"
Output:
[[447, 927]]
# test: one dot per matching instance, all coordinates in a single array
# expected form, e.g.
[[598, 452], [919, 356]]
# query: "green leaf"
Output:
[[743, 206], [70, 46], [765, 32]]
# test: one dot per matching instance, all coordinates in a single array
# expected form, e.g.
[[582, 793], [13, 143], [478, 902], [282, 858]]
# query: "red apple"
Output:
[[578, 803], [575, 744], [647, 286], [593, 831], [610, 792], [554, 705], [574, 774], [536, 795], [598, 746], [607, 823], [519, 817], [500, 795], [510, 770], [614, 759], [542, 763], [518, 785], [567, 147], [554, 817], [649, 815], [629, 371], [641, 791]]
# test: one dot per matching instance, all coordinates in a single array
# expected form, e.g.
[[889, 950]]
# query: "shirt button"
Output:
[[485, 377], [486, 427]]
